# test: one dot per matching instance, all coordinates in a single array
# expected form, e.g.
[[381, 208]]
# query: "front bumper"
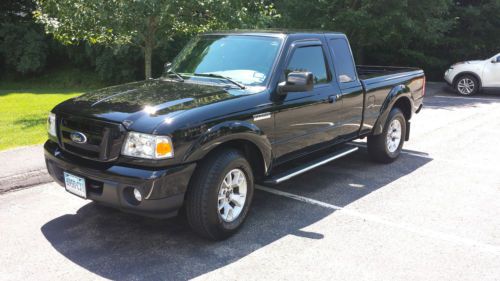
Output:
[[163, 190], [448, 76]]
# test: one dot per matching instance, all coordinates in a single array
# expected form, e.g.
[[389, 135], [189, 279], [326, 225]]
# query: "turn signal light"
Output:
[[163, 148]]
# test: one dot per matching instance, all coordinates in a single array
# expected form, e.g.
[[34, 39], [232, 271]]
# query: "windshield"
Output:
[[245, 59]]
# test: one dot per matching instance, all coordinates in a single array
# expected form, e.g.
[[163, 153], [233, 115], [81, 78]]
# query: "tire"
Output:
[[383, 148], [213, 180], [466, 85]]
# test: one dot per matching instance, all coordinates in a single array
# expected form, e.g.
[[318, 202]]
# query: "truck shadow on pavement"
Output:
[[120, 246]]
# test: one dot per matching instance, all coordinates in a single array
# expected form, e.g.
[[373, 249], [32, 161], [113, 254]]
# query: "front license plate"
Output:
[[75, 185]]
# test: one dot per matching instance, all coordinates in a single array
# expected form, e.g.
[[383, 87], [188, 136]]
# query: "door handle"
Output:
[[334, 98]]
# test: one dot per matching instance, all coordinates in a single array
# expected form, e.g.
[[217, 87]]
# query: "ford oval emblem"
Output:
[[78, 137]]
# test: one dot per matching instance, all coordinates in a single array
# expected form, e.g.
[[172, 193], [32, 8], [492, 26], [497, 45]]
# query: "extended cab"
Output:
[[232, 110]]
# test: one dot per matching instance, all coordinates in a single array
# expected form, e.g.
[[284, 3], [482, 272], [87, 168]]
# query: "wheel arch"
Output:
[[243, 136], [400, 97], [404, 104], [463, 73]]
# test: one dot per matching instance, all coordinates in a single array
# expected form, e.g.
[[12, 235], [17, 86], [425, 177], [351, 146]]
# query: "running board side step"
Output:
[[284, 176]]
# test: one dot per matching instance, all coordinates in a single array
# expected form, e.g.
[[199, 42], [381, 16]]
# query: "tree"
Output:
[[23, 47], [476, 33], [22, 43], [16, 10], [145, 22], [381, 32]]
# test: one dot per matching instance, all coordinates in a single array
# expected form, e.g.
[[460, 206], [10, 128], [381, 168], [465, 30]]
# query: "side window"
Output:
[[342, 60], [309, 59]]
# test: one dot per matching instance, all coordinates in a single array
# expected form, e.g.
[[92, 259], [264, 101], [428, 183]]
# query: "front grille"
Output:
[[104, 139], [81, 151]]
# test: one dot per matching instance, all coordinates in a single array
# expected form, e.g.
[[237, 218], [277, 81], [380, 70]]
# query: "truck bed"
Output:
[[366, 72]]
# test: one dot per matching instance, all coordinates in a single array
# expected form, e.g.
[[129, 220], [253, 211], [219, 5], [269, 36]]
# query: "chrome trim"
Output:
[[78, 137], [262, 116], [150, 191], [308, 168]]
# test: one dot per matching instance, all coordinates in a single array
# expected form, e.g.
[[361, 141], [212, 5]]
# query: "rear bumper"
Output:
[[163, 190]]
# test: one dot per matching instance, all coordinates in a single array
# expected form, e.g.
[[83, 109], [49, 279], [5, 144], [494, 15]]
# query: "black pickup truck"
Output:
[[233, 109]]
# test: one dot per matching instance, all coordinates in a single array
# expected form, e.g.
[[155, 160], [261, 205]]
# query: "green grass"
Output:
[[23, 115], [25, 103]]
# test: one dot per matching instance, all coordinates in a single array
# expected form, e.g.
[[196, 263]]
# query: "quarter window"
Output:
[[342, 60], [309, 59]]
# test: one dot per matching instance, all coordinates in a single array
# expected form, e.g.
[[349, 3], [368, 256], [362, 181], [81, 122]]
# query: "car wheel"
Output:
[[386, 147], [467, 85], [220, 194]]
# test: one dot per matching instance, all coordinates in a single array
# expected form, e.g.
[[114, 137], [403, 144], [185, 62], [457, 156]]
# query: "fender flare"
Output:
[[467, 73], [397, 93], [230, 131]]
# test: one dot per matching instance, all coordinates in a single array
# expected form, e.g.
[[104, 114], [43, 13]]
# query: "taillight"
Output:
[[423, 86]]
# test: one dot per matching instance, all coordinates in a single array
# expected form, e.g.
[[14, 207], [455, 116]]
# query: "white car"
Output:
[[469, 77]]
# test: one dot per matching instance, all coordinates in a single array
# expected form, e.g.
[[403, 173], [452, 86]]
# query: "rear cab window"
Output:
[[342, 60]]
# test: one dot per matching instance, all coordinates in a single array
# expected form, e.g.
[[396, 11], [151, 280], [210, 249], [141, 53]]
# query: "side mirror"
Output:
[[297, 82]]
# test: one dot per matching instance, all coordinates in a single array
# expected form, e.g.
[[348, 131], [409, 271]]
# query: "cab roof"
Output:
[[272, 32]]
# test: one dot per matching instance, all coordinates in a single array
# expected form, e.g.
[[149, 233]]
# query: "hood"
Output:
[[474, 61], [468, 62], [145, 104]]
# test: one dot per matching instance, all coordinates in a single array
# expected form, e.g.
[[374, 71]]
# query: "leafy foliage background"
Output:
[[431, 34]]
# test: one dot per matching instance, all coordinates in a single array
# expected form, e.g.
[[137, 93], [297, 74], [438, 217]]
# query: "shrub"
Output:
[[23, 47]]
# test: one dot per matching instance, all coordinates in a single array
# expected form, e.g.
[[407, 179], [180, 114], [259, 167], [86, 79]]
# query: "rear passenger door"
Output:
[[351, 88], [305, 121]]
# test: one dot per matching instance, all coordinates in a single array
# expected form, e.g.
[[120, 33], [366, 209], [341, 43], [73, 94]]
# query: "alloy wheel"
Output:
[[232, 195], [466, 86], [393, 138]]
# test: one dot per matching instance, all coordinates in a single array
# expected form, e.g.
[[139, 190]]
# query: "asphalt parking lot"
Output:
[[432, 215]]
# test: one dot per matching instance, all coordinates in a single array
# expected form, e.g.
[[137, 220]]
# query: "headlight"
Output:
[[148, 146], [51, 125]]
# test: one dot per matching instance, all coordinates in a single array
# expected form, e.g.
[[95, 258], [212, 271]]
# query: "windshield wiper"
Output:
[[214, 75], [170, 71]]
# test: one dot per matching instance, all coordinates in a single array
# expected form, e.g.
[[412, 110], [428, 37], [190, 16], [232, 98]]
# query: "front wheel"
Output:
[[220, 195], [467, 85], [386, 147]]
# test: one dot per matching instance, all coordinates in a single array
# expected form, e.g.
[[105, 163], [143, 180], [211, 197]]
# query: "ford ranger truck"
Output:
[[232, 109]]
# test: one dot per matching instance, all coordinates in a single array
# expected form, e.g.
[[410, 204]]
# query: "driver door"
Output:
[[305, 121]]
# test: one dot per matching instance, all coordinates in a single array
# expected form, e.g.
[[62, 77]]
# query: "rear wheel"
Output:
[[467, 85], [220, 195], [386, 147]]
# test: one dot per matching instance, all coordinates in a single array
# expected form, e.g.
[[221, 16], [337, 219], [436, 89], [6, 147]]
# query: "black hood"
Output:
[[151, 99]]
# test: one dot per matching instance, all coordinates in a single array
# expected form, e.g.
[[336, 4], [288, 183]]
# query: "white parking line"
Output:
[[376, 219], [467, 98], [437, 107], [298, 197]]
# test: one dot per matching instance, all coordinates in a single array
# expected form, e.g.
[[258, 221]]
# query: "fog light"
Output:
[[137, 195]]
